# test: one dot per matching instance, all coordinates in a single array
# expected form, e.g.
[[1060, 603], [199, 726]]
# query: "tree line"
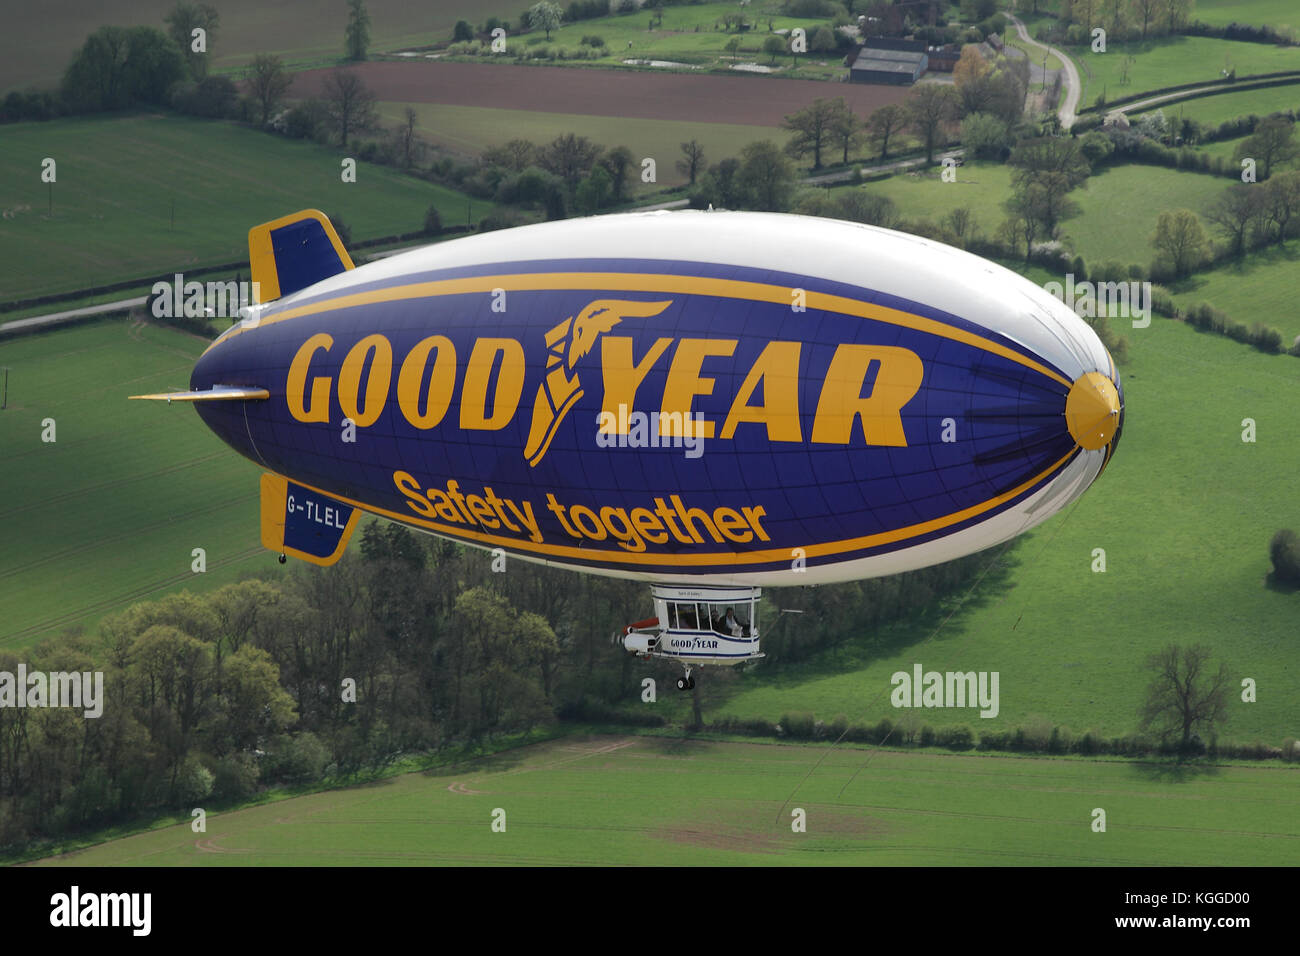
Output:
[[408, 645]]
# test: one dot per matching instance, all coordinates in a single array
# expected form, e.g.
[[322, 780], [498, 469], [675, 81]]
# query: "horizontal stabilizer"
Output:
[[217, 393], [304, 523], [294, 252]]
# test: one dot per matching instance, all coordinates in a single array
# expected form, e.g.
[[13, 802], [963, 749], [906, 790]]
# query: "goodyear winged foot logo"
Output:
[[568, 342]]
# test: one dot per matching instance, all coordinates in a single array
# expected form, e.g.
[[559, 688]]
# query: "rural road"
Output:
[[54, 318], [1187, 94], [1072, 85]]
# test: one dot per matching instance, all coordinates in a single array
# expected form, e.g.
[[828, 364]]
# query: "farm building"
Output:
[[943, 59], [895, 67]]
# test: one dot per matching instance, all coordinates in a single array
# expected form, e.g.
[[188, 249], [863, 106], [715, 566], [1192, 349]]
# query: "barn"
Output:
[[895, 67]]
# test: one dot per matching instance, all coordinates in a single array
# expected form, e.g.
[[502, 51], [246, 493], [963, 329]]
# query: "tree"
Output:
[[1181, 238], [1234, 211], [619, 162], [773, 46], [1281, 202], [268, 83], [182, 21], [349, 103], [1184, 696], [1284, 552], [1146, 12], [409, 145], [432, 221], [570, 157], [766, 176], [722, 186], [545, 16], [984, 135], [813, 126], [883, 124], [594, 191], [1176, 13], [1023, 220], [846, 130], [463, 32], [1047, 168], [929, 107], [1272, 144], [822, 40], [118, 67], [356, 36], [516, 155], [971, 66], [692, 161]]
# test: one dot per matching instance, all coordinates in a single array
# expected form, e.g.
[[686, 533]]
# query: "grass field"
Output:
[[1140, 191], [119, 180], [694, 36], [1212, 110], [108, 514], [1184, 512], [666, 801], [1262, 288], [40, 42], [1282, 15], [1170, 61]]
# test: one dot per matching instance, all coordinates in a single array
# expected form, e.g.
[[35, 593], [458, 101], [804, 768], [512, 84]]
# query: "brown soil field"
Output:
[[638, 94]]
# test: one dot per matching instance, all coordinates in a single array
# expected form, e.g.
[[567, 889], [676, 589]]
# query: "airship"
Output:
[[706, 401]]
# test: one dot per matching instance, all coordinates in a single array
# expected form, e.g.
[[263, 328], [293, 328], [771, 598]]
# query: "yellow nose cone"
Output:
[[1092, 411]]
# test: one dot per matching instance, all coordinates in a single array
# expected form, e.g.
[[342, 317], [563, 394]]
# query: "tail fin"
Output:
[[304, 523], [294, 252]]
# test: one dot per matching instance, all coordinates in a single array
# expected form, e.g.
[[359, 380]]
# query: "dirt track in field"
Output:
[[640, 94]]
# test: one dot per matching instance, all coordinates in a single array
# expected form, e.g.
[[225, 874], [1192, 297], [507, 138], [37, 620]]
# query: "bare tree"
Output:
[[349, 103], [693, 160], [268, 83], [409, 145], [1184, 696]]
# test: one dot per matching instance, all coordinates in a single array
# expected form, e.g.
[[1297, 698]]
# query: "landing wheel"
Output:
[[690, 683], [682, 683], [283, 558]]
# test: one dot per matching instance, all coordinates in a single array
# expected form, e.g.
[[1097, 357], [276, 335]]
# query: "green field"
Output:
[[692, 35], [664, 801], [1170, 61], [41, 40], [120, 181], [1184, 512], [1212, 110], [108, 514], [1261, 288], [1140, 191], [1282, 15]]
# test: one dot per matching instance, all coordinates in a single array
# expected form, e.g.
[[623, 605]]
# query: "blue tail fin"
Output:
[[294, 252]]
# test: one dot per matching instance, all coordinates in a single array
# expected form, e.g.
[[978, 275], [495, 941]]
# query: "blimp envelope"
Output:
[[727, 398]]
